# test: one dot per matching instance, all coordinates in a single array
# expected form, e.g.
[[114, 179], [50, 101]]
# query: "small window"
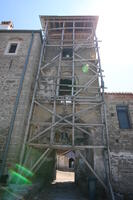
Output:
[[123, 117], [65, 87], [67, 53], [12, 48]]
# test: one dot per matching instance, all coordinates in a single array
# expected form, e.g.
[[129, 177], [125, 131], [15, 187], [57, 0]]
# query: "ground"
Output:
[[63, 188]]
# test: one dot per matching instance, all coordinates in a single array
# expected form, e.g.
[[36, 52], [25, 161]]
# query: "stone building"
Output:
[[120, 123], [18, 48], [52, 97], [65, 161]]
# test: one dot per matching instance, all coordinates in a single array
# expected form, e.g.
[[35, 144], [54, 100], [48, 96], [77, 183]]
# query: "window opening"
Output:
[[12, 48], [123, 117], [71, 163], [67, 53], [65, 87]]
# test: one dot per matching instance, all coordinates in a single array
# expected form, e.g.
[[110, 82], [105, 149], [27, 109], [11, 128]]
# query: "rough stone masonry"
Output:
[[11, 65]]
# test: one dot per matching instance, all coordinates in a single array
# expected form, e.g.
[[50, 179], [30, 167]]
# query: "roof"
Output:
[[118, 93], [44, 18], [20, 31]]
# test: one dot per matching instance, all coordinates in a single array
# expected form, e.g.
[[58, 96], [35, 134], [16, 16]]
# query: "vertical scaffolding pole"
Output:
[[57, 88], [104, 119], [73, 82], [60, 57]]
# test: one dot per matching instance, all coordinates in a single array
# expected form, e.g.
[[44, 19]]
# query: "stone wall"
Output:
[[11, 67], [121, 143]]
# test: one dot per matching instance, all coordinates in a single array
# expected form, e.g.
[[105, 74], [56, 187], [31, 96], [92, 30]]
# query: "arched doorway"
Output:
[[71, 163]]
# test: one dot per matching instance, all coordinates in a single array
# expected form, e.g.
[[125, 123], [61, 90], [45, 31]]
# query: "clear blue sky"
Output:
[[115, 29]]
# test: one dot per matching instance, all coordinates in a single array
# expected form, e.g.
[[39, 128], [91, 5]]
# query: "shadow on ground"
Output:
[[60, 191]]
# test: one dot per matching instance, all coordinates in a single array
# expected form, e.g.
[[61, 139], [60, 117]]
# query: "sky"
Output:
[[114, 30]]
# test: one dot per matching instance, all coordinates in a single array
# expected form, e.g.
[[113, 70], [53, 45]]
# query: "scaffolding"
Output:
[[69, 89]]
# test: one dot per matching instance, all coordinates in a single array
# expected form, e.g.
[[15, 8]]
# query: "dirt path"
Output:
[[64, 176], [61, 189]]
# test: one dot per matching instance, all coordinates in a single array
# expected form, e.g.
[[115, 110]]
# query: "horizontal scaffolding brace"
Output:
[[60, 100], [70, 125], [61, 146], [70, 28], [71, 45], [65, 20], [75, 86]]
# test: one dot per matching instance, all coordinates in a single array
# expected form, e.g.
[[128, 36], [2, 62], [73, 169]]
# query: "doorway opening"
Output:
[[71, 163], [65, 166]]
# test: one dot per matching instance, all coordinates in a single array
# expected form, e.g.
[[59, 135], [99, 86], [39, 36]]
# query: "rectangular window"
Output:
[[12, 48], [67, 53], [123, 117], [65, 87]]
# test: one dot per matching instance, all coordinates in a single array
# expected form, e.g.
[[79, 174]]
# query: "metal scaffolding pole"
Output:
[[104, 120], [39, 159], [73, 80], [60, 59]]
